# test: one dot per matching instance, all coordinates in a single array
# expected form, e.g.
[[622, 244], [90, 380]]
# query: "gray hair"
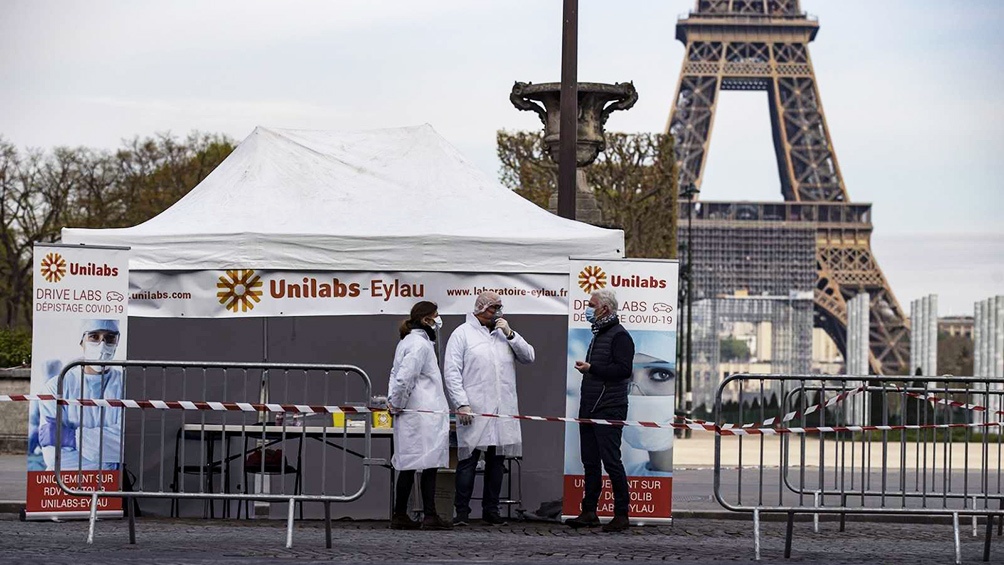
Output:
[[606, 297]]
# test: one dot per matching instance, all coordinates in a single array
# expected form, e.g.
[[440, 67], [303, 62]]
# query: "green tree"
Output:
[[634, 179], [15, 347], [732, 349], [955, 355]]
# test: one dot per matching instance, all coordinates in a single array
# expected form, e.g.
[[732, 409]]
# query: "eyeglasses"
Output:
[[98, 337], [497, 307]]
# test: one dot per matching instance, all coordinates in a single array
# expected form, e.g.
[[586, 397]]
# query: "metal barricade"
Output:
[[177, 413], [825, 444]]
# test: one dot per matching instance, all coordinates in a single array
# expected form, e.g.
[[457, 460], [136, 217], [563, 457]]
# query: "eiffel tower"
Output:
[[762, 45]]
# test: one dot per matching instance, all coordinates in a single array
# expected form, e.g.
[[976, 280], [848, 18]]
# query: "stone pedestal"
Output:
[[586, 209]]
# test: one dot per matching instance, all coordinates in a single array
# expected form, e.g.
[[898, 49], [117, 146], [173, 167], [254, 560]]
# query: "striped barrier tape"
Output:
[[929, 397], [769, 422], [935, 399], [724, 430], [188, 405]]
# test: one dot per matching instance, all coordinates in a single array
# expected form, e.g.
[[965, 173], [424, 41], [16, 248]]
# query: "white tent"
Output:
[[399, 199], [347, 210]]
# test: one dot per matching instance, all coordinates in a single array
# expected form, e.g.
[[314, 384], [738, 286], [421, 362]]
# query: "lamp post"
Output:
[[593, 105], [689, 192]]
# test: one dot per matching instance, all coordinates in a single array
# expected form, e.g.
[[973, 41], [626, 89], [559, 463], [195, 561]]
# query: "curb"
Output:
[[806, 516], [11, 506], [16, 507]]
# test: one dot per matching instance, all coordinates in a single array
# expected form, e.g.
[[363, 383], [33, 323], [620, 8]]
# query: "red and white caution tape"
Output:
[[189, 405], [934, 399], [769, 422], [928, 397], [724, 430]]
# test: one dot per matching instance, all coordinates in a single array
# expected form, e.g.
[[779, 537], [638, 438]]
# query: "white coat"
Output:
[[480, 372], [97, 437], [421, 441]]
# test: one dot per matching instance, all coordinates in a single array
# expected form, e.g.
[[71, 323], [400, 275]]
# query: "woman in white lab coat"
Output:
[[421, 441]]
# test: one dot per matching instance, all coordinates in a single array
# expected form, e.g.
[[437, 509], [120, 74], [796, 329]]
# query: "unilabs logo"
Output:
[[240, 288], [312, 288], [636, 281], [53, 267], [93, 270], [592, 278]]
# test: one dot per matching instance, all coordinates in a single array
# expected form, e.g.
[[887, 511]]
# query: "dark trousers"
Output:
[[494, 469], [405, 480], [602, 444]]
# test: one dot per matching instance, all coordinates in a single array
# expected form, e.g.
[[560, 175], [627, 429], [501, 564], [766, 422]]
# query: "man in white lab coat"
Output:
[[91, 436], [480, 375]]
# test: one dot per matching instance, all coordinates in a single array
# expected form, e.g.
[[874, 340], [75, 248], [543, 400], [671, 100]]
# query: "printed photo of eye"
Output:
[[652, 376]]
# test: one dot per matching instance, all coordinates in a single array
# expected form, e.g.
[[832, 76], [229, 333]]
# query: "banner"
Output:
[[646, 293], [255, 293], [80, 313]]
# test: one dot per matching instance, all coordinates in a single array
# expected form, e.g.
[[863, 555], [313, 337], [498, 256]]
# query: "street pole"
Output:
[[569, 109], [690, 191]]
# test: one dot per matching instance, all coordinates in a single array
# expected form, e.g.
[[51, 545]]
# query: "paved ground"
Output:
[[699, 535], [687, 541]]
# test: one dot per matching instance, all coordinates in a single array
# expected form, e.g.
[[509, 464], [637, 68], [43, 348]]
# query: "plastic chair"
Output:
[[275, 463]]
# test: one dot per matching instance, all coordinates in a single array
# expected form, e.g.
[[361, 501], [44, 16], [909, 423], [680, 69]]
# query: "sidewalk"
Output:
[[13, 483], [699, 451], [688, 540]]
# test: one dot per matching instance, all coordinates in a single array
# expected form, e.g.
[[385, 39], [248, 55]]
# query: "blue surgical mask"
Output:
[[590, 314]]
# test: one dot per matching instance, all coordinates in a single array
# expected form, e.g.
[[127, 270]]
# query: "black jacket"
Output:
[[611, 358]]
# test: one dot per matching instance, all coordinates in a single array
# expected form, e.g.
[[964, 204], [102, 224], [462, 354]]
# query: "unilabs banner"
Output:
[[240, 293], [81, 309], [647, 295]]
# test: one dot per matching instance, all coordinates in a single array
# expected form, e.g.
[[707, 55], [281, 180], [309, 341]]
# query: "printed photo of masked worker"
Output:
[[90, 436], [645, 452]]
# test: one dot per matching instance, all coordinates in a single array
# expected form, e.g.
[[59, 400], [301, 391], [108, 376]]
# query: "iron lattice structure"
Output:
[[762, 45]]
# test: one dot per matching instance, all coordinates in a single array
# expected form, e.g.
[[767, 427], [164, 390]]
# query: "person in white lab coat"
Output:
[[91, 436], [421, 441], [480, 374]]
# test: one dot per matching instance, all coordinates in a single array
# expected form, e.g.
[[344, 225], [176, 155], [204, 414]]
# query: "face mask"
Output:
[[657, 409], [100, 351], [590, 314], [437, 323]]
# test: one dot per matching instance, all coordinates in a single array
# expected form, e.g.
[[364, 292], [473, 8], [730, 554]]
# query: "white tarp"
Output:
[[398, 200]]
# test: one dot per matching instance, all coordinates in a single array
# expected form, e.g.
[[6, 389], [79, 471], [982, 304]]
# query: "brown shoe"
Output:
[[618, 524], [403, 522], [584, 520], [434, 522]]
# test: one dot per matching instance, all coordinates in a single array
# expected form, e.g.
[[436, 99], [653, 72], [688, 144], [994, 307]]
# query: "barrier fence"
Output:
[[179, 440], [809, 444], [860, 445]]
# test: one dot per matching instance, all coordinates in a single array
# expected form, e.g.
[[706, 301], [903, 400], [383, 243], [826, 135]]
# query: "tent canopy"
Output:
[[400, 199]]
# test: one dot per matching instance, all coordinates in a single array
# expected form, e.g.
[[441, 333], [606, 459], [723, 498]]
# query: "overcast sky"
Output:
[[911, 90]]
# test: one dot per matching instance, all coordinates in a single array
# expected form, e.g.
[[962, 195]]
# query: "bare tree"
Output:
[[44, 192]]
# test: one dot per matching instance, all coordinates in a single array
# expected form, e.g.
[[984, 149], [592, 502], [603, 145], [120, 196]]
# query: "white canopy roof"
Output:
[[400, 199]]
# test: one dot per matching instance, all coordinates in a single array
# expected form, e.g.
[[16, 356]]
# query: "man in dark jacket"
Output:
[[606, 375]]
